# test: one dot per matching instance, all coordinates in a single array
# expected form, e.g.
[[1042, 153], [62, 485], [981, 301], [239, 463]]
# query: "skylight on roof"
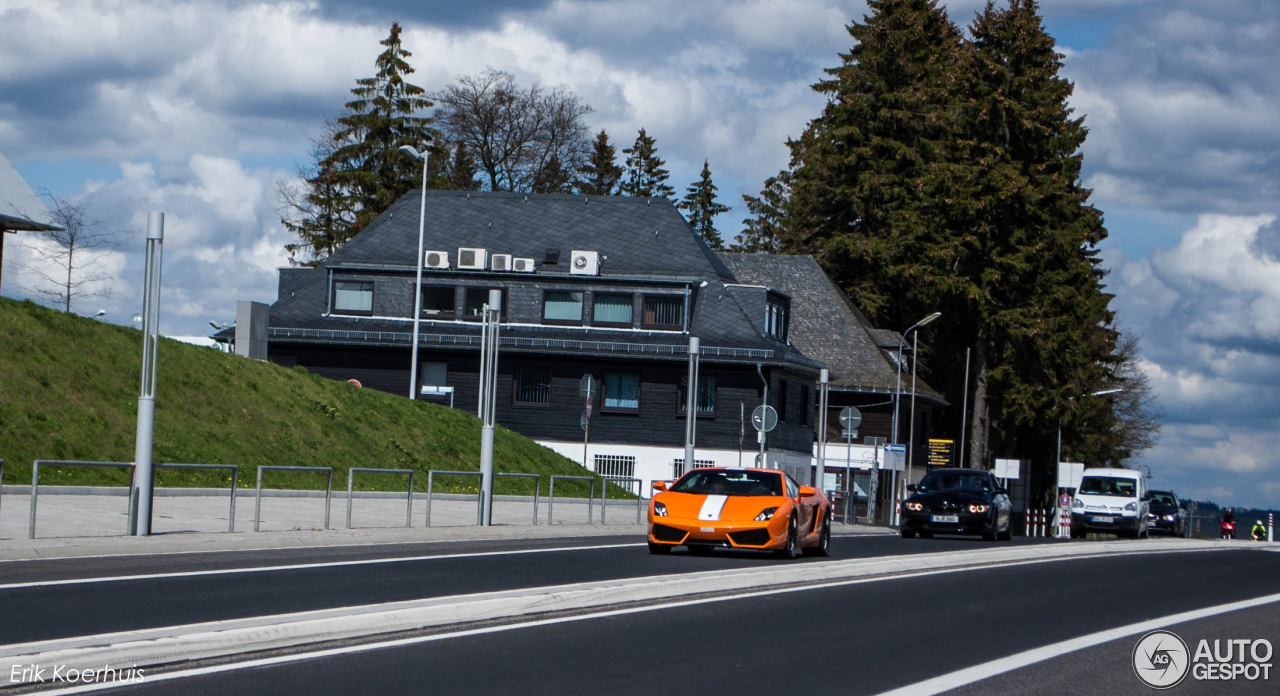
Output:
[[552, 257]]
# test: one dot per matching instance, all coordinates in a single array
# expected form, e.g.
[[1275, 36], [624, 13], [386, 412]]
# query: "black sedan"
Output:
[[1166, 515], [957, 501]]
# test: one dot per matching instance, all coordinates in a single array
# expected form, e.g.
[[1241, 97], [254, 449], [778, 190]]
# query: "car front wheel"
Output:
[[790, 550]]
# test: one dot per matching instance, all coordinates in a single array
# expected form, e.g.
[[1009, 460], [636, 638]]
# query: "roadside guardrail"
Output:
[[257, 506], [537, 488], [408, 511], [615, 480], [235, 481], [35, 485], [431, 476], [551, 495]]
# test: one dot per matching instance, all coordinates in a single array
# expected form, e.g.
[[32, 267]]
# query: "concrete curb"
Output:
[[155, 647]]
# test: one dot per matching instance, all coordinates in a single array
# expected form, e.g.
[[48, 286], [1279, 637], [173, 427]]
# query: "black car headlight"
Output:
[[1131, 507], [766, 514], [978, 508], [914, 506], [1077, 503], [659, 510]]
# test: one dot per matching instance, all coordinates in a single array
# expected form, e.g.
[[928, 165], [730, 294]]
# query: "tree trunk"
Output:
[[980, 424]]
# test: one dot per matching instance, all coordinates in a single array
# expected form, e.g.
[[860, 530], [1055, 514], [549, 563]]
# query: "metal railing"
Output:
[[537, 489], [235, 479], [408, 511], [615, 480], [431, 478], [35, 486], [328, 492], [551, 495]]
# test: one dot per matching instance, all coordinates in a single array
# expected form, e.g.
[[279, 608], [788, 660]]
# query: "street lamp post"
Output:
[[1104, 392], [897, 395], [140, 493], [417, 288]]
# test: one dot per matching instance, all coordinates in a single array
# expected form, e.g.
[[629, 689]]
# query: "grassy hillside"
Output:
[[69, 390]]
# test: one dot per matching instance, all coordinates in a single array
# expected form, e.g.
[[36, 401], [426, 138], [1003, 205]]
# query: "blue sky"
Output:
[[200, 108]]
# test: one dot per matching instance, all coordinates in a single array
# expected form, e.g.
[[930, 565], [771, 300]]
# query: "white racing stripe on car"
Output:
[[711, 507]]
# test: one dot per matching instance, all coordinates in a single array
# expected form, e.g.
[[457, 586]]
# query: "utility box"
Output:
[[251, 329]]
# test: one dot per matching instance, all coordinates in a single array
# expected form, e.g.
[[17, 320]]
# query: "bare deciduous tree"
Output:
[[523, 139], [71, 255]]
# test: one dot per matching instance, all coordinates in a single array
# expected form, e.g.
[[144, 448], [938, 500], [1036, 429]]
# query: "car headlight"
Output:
[[766, 514], [1131, 507], [1077, 503], [659, 510], [1169, 518], [978, 508], [914, 506]]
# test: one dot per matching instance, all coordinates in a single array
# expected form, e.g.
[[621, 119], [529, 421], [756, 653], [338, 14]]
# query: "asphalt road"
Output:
[[852, 639], [433, 570]]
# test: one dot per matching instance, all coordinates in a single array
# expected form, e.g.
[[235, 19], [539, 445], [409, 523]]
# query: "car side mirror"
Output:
[[1002, 491], [911, 487], [659, 485], [1146, 496], [808, 491]]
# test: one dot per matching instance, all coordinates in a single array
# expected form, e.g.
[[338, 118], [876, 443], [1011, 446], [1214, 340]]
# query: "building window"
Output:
[[663, 312], [678, 470], [439, 302], [611, 309], [473, 306], [350, 297], [561, 307], [775, 317], [532, 386], [805, 405], [706, 395], [782, 400], [615, 466], [621, 392]]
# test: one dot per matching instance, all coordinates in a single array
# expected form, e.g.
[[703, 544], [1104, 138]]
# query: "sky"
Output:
[[198, 109]]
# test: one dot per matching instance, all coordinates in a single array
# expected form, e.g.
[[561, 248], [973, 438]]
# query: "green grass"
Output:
[[69, 391]]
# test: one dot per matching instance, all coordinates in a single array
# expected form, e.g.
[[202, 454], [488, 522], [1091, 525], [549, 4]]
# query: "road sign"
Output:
[[876, 441], [850, 418], [850, 435], [764, 418], [587, 387], [1064, 500], [941, 452], [1008, 468]]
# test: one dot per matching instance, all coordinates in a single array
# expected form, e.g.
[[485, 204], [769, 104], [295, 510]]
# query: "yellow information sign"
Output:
[[942, 452]]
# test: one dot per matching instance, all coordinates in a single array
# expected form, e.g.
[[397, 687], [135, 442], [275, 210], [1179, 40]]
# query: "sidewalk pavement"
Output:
[[92, 525]]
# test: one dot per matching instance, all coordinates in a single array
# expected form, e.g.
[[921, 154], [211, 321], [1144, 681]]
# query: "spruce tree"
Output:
[[1050, 338], [769, 227], [701, 208], [601, 174], [645, 177], [367, 164]]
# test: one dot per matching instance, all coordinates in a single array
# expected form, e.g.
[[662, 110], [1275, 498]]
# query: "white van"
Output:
[[1111, 501]]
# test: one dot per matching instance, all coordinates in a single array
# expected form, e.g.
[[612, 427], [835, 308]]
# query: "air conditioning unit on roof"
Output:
[[472, 259], [522, 265], [435, 259], [584, 262], [500, 262]]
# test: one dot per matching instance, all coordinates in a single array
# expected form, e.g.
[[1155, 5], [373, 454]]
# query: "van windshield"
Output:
[[1106, 485]]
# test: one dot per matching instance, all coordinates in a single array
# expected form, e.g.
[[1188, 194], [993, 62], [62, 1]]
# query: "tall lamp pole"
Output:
[[417, 288], [143, 473], [691, 403], [897, 396]]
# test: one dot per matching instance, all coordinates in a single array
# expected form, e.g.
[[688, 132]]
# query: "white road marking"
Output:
[[305, 566], [416, 640], [977, 673]]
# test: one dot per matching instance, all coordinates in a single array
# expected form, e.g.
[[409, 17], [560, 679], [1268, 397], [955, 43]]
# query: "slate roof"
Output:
[[640, 237], [641, 241], [826, 325], [20, 208]]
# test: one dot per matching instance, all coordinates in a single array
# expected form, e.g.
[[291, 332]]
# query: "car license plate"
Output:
[[1103, 520], [952, 519], [708, 529]]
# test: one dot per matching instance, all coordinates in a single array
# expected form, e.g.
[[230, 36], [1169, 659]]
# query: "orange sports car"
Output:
[[739, 508]]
